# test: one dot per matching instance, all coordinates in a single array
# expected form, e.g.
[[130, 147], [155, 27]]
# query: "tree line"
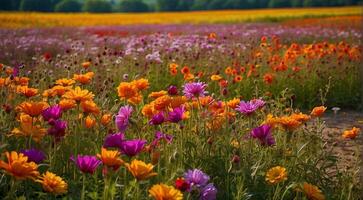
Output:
[[104, 6]]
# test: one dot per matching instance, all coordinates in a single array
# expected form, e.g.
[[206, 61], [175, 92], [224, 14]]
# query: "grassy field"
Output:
[[26, 20]]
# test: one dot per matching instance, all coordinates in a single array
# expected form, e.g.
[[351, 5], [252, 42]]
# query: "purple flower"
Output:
[[58, 128], [161, 136], [157, 119], [132, 147], [196, 177], [176, 115], [122, 118], [195, 89], [263, 134], [209, 192], [87, 164], [53, 112], [173, 90], [250, 107], [114, 140], [34, 155]]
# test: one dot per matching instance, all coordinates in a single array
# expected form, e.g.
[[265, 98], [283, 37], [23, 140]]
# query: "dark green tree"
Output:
[[279, 4], [167, 5], [36, 5], [133, 6], [97, 6], [68, 6]]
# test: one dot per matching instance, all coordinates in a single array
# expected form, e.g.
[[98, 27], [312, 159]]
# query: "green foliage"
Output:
[[36, 5], [97, 6], [133, 6], [9, 5], [68, 6]]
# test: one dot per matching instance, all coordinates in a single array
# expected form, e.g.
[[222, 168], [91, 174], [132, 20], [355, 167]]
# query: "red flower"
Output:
[[47, 56], [181, 184]]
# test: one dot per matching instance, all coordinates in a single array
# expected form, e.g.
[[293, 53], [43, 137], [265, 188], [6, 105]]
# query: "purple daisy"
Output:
[[122, 118], [176, 115], [87, 164], [58, 129], [196, 177], [157, 119], [264, 135], [195, 89], [52, 113], [114, 140], [132, 147], [249, 107], [209, 192], [34, 155]]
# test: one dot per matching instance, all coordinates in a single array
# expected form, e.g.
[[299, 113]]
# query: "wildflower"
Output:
[[318, 111], [194, 89], [263, 134], [173, 90], [268, 78], [78, 95], [208, 192], [86, 65], [34, 155], [132, 147], [127, 90], [176, 115], [288, 122], [140, 170], [237, 78], [248, 107], [89, 106], [26, 91], [53, 112], [156, 95], [157, 119], [351, 134], [185, 70], [114, 140], [31, 108], [58, 129], [163, 192], [110, 158], [67, 104], [122, 118], [89, 122], [161, 136], [177, 101], [87, 164], [84, 78], [52, 183], [233, 103], [106, 119], [19, 167], [196, 178], [27, 129], [65, 82], [141, 84], [215, 77], [312, 192], [300, 117], [162, 102], [181, 184], [276, 175]]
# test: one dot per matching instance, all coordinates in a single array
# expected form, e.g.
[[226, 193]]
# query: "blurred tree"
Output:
[[133, 6], [68, 6], [200, 5], [36, 5], [167, 5], [185, 5], [97, 6], [279, 3]]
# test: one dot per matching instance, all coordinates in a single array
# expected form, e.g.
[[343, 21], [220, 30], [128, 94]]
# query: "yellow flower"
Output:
[[110, 158], [215, 77], [52, 183], [235, 143], [165, 192], [158, 94], [312, 192], [19, 167], [140, 170], [31, 108], [65, 82], [78, 94], [318, 111], [276, 175], [351, 134]]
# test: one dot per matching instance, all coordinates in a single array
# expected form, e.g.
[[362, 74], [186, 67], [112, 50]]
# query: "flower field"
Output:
[[178, 110]]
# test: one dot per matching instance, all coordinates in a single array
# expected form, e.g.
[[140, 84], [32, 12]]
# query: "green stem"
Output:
[[83, 186]]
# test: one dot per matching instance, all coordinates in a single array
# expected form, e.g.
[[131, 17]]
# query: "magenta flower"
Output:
[[196, 178], [264, 135], [122, 118], [58, 129], [157, 119], [209, 192], [114, 140], [173, 90], [195, 89], [161, 136], [87, 164], [34, 155], [53, 112], [132, 147], [176, 115], [250, 107]]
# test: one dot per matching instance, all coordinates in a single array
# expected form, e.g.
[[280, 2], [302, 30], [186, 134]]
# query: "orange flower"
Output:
[[140, 170], [268, 78], [148, 110], [289, 122], [31, 108], [173, 68], [26, 91], [185, 70], [141, 84], [110, 158], [173, 72], [2, 82], [28, 129], [86, 65], [351, 134], [78, 94], [106, 119], [212, 36], [52, 183], [84, 78], [188, 76], [155, 95], [162, 102], [223, 83], [19, 167], [300, 117], [318, 111], [177, 101], [60, 90], [90, 122], [216, 77], [312, 192], [65, 82], [237, 78], [233, 103], [127, 90], [136, 99], [165, 192], [90, 107], [67, 104]]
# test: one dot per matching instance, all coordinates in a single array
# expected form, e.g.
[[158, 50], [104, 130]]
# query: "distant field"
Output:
[[25, 20]]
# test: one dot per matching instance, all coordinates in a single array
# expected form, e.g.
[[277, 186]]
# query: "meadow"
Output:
[[170, 109]]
